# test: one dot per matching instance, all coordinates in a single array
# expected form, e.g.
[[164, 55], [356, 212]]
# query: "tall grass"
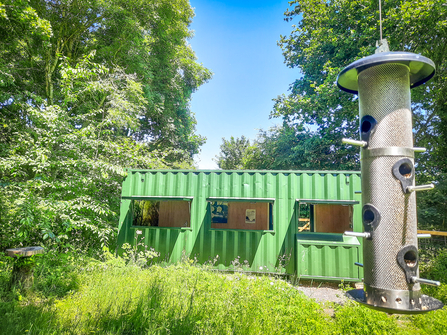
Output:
[[83, 296], [184, 299], [181, 299]]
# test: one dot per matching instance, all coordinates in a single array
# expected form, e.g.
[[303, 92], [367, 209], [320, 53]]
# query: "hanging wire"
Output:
[[380, 20]]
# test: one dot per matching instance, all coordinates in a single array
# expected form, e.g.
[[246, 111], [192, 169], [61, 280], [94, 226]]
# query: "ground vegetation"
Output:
[[75, 294]]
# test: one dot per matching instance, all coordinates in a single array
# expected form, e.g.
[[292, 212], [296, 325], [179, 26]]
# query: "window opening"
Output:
[[304, 221], [241, 215], [161, 213], [325, 218]]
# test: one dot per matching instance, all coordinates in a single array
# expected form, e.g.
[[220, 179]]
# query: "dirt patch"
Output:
[[323, 294], [327, 292]]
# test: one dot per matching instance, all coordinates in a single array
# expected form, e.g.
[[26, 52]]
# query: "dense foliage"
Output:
[[329, 36], [286, 147], [88, 88], [232, 153], [316, 114]]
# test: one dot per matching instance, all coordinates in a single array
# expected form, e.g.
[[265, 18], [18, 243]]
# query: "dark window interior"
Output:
[[161, 213]]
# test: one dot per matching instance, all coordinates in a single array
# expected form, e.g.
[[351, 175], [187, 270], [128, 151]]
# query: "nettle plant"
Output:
[[139, 254]]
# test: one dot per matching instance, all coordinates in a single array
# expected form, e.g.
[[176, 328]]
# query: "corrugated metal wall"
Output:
[[261, 249], [329, 260]]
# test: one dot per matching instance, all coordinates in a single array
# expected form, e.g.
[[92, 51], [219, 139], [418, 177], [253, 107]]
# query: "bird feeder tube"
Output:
[[390, 246]]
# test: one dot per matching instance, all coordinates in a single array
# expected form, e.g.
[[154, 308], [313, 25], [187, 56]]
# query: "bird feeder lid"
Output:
[[421, 68]]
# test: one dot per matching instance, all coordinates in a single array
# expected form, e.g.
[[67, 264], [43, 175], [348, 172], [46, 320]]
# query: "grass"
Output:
[[84, 296]]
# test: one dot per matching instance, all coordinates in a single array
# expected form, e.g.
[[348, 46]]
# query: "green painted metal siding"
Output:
[[261, 249], [328, 259]]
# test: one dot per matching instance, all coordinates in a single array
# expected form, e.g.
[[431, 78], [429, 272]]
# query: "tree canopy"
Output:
[[332, 34], [232, 153], [144, 38], [88, 88], [316, 114], [286, 147]]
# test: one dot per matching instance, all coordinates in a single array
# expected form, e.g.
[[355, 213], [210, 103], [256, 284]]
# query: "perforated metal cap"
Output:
[[421, 69]]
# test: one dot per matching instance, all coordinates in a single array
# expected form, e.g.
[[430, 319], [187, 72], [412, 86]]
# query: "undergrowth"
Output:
[[76, 295]]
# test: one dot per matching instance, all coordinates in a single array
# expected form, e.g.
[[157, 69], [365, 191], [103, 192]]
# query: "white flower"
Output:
[[260, 268], [139, 232]]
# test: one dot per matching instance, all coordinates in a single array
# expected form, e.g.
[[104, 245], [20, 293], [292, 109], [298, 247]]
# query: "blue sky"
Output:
[[237, 41]]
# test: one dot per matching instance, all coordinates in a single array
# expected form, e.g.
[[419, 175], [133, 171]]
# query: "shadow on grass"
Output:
[[32, 311], [26, 319]]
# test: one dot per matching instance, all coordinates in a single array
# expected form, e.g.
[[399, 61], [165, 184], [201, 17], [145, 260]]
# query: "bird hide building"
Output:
[[261, 221]]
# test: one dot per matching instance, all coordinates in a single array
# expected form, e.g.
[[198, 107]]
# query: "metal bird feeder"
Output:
[[391, 263]]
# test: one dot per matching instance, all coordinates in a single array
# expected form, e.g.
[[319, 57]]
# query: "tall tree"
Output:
[[293, 147], [232, 153], [88, 88], [145, 38], [286, 147], [332, 34]]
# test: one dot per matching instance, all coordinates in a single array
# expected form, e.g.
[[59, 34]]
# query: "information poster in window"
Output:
[[250, 216], [219, 212]]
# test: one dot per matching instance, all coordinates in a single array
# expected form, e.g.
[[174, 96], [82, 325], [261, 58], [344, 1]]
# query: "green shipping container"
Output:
[[262, 221]]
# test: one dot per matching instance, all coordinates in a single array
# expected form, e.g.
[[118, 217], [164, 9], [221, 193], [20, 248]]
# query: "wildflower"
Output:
[[139, 232]]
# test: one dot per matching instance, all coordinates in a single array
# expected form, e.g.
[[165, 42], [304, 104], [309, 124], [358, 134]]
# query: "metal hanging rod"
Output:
[[380, 20]]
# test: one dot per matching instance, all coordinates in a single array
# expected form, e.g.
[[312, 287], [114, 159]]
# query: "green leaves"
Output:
[[141, 44], [232, 153], [96, 94], [327, 37], [88, 89], [289, 147]]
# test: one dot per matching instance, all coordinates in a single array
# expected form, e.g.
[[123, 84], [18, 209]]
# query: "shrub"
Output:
[[436, 269]]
